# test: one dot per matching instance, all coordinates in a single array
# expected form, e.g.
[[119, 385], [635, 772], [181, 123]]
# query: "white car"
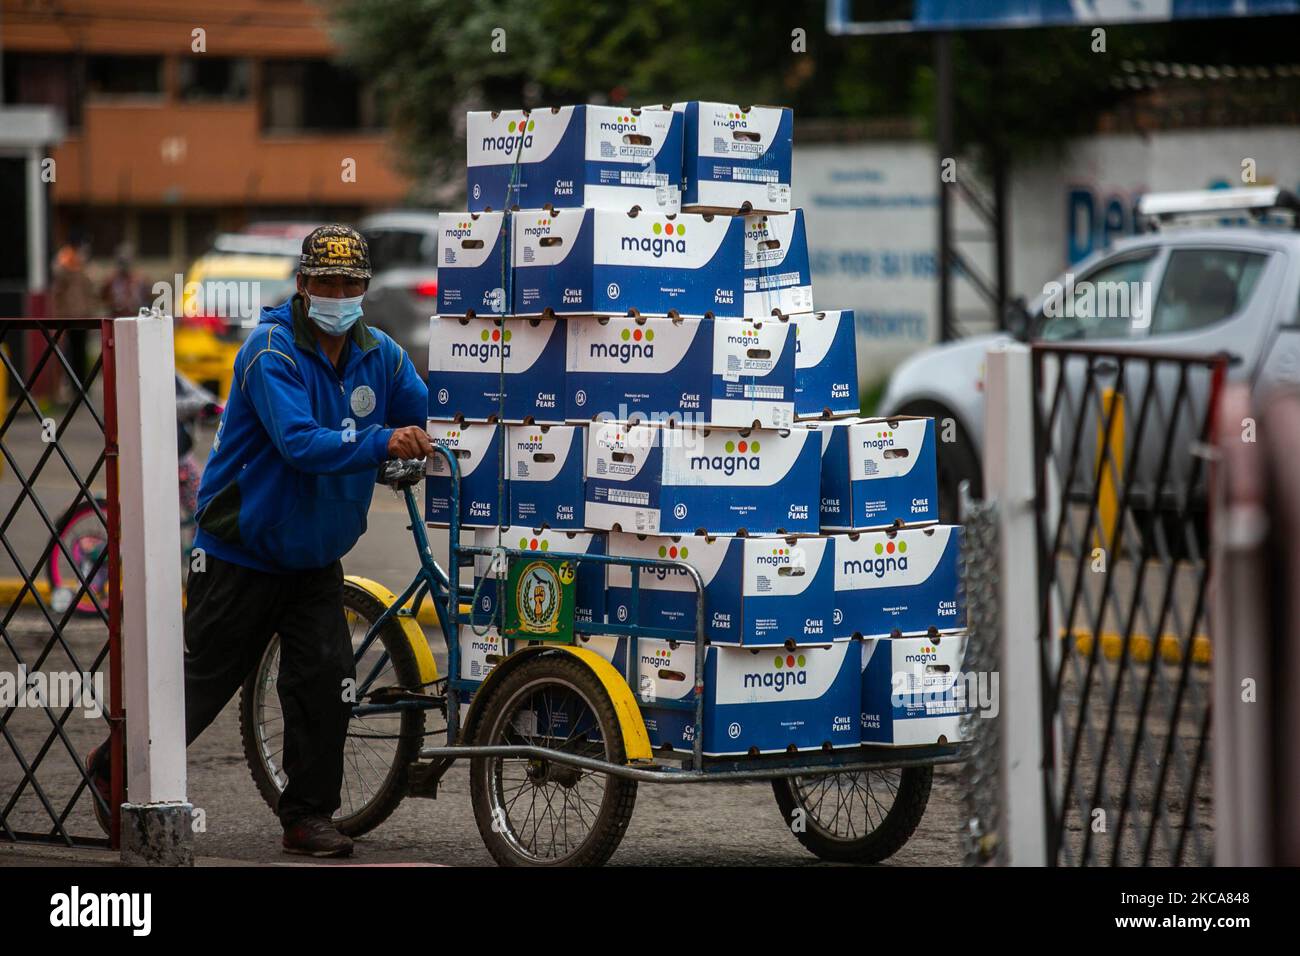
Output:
[[1232, 289]]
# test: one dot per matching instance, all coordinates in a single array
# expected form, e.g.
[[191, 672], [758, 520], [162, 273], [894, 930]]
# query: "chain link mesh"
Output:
[[982, 838]]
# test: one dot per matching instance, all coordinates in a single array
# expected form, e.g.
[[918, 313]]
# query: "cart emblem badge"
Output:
[[538, 596], [363, 400]]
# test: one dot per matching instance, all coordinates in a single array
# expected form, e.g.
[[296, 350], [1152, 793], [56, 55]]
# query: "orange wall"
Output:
[[191, 154], [234, 27]]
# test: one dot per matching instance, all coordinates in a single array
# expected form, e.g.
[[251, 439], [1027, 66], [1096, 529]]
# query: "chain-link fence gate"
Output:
[[1120, 462], [60, 652]]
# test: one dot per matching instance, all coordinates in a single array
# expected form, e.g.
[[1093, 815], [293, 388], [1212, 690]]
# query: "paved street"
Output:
[[705, 825]]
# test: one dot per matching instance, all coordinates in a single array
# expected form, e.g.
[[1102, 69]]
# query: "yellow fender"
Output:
[[636, 742], [414, 636]]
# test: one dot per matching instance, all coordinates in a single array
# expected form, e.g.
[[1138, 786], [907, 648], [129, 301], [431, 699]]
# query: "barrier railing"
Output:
[[1120, 461], [60, 611]]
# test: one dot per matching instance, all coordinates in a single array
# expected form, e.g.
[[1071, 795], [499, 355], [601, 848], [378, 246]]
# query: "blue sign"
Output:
[[948, 14]]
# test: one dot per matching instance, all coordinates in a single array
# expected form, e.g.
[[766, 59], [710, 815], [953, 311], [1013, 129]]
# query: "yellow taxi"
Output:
[[224, 292]]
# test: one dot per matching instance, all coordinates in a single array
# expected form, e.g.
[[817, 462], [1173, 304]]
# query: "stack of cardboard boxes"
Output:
[[627, 360]]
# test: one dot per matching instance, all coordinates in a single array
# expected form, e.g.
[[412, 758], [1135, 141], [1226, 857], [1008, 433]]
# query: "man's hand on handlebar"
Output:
[[409, 442]]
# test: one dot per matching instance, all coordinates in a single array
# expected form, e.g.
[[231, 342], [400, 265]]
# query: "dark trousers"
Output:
[[231, 614]]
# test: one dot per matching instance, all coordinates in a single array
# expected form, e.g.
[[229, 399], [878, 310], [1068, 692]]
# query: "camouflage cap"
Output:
[[335, 250]]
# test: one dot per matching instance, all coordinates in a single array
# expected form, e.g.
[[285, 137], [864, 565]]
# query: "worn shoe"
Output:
[[102, 781], [315, 836]]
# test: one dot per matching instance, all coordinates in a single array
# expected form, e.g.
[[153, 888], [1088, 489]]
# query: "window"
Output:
[[314, 95], [213, 78], [1204, 286], [1102, 304], [155, 233], [45, 79], [124, 75]]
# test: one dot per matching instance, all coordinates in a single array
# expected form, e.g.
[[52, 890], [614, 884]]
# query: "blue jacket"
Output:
[[295, 458]]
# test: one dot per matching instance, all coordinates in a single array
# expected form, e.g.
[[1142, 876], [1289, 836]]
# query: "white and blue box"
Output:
[[649, 479], [654, 369], [466, 361], [913, 690], [767, 701], [899, 582], [547, 465], [479, 653], [878, 472], [484, 502], [601, 157], [758, 592], [826, 365], [778, 279], [582, 262], [473, 264], [737, 159], [589, 589]]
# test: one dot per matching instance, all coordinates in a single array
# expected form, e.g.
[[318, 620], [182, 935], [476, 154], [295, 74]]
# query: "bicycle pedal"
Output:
[[398, 695]]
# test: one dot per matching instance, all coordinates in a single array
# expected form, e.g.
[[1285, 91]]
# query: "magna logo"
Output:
[[518, 134], [491, 345], [787, 670], [883, 439], [451, 438], [671, 552], [926, 655], [747, 336], [461, 230], [633, 344], [660, 658], [531, 443], [778, 556], [740, 456], [734, 119], [543, 228], [668, 237], [620, 125], [890, 556]]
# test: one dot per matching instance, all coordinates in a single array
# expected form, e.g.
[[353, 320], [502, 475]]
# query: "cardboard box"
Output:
[[589, 596], [630, 369], [477, 448], [826, 365], [649, 479], [755, 700], [913, 691], [899, 582], [736, 160], [603, 157], [758, 592], [479, 653], [778, 278], [654, 369], [877, 472], [473, 259], [547, 466], [465, 365], [584, 262]]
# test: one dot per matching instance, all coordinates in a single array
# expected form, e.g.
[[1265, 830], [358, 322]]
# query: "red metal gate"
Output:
[[60, 611]]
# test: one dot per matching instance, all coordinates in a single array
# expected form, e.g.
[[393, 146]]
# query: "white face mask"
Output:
[[335, 316]]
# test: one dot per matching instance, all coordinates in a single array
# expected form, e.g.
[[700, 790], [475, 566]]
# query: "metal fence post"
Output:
[[1009, 481], [156, 822]]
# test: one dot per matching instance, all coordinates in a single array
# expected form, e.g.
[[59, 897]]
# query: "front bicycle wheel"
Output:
[[82, 557], [534, 811], [861, 816], [379, 747]]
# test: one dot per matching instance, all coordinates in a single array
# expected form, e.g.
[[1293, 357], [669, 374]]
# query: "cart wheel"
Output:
[[379, 747], [537, 812], [862, 816]]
